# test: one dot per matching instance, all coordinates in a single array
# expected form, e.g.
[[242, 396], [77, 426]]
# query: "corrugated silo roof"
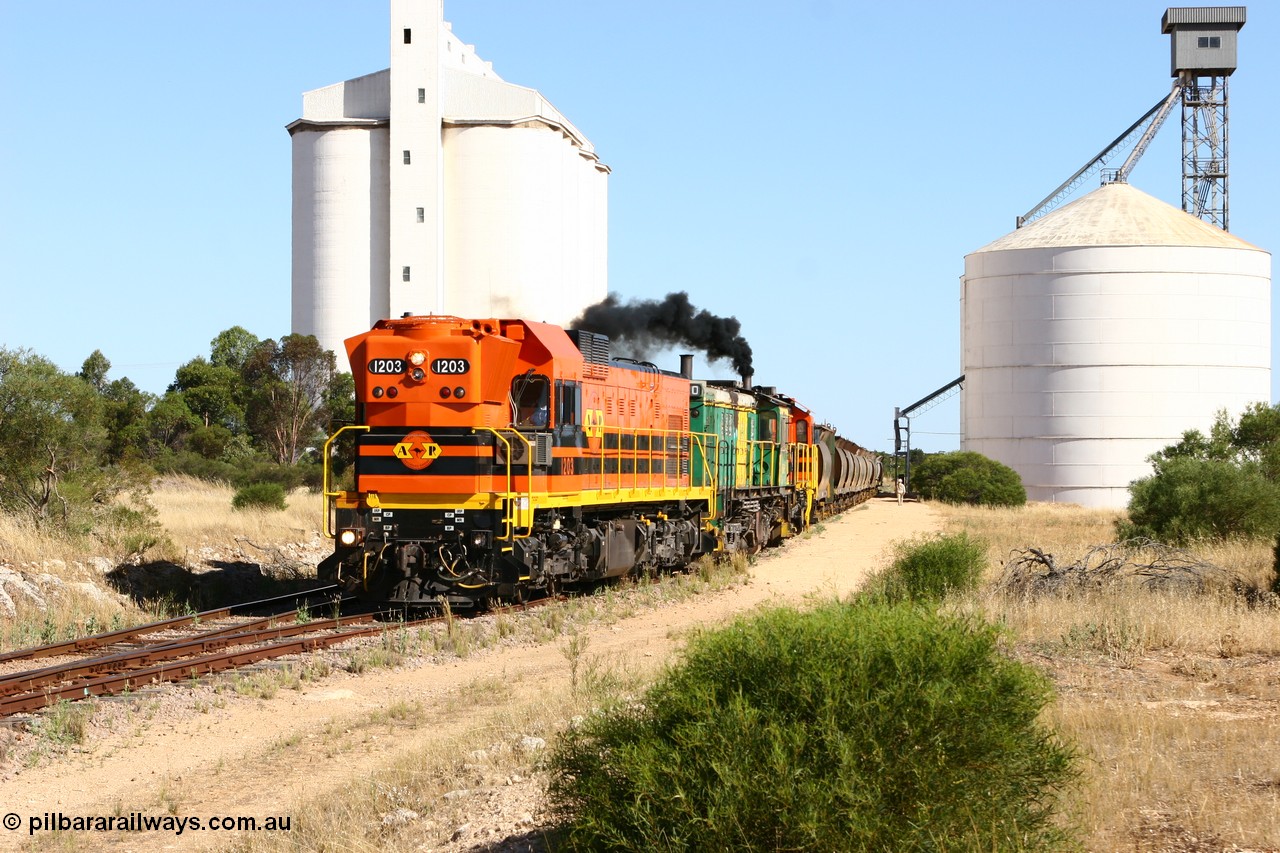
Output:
[[1117, 215]]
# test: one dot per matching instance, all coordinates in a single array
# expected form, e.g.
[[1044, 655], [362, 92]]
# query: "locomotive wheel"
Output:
[[514, 594]]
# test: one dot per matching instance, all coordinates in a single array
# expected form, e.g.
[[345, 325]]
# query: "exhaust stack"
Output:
[[686, 366]]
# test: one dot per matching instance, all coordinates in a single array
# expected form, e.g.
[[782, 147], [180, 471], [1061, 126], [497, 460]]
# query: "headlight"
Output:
[[349, 537], [417, 359]]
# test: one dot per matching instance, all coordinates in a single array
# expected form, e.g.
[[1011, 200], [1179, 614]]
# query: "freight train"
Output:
[[498, 459]]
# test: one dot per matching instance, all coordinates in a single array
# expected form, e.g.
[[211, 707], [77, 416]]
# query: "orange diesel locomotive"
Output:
[[493, 458]]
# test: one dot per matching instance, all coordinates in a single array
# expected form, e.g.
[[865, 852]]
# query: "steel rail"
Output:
[[106, 638], [254, 632], [177, 671]]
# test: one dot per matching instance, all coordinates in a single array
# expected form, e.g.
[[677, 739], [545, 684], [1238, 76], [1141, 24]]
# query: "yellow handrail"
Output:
[[805, 475], [712, 471], [762, 454], [802, 465], [326, 492], [508, 497], [655, 447]]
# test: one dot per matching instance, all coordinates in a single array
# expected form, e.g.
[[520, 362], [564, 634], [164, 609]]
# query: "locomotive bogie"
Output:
[[413, 558]]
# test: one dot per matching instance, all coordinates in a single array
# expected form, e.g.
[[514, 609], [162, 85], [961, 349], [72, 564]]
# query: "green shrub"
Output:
[[260, 496], [850, 728], [195, 465], [313, 476], [965, 477], [927, 569], [287, 477], [1219, 486], [129, 528], [210, 442], [241, 472], [1191, 498]]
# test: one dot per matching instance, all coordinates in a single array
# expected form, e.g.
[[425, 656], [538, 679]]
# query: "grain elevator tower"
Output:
[[1203, 57]]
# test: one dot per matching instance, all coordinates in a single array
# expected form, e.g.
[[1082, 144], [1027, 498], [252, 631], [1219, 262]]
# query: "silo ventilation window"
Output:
[[405, 273], [1209, 41], [408, 36], [422, 214], [422, 96], [406, 157]]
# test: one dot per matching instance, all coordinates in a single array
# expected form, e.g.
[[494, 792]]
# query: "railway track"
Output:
[[126, 635], [130, 658], [126, 660]]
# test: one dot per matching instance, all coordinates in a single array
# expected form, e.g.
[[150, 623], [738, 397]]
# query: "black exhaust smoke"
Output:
[[648, 324]]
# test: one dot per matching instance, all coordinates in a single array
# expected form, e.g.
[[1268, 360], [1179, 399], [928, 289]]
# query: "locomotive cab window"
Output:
[[568, 402], [769, 427], [531, 400]]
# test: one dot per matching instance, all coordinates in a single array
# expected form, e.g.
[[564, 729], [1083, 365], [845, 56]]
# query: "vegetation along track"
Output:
[[170, 658]]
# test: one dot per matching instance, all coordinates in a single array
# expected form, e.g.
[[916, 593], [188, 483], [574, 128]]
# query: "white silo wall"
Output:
[[499, 203], [1082, 360], [524, 224], [340, 231]]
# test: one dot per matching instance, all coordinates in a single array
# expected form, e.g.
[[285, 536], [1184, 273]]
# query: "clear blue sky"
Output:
[[818, 169]]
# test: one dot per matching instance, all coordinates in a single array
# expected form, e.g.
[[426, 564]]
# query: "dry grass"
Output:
[[1064, 530], [1185, 764], [1173, 699], [197, 514], [1125, 618], [72, 613], [23, 542], [192, 513], [74, 603]]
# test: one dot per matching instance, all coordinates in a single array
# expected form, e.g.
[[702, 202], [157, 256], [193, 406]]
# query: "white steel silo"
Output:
[[524, 234], [340, 229], [1099, 334]]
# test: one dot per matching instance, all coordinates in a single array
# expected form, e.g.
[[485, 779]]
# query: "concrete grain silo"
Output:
[[1098, 334], [437, 187]]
